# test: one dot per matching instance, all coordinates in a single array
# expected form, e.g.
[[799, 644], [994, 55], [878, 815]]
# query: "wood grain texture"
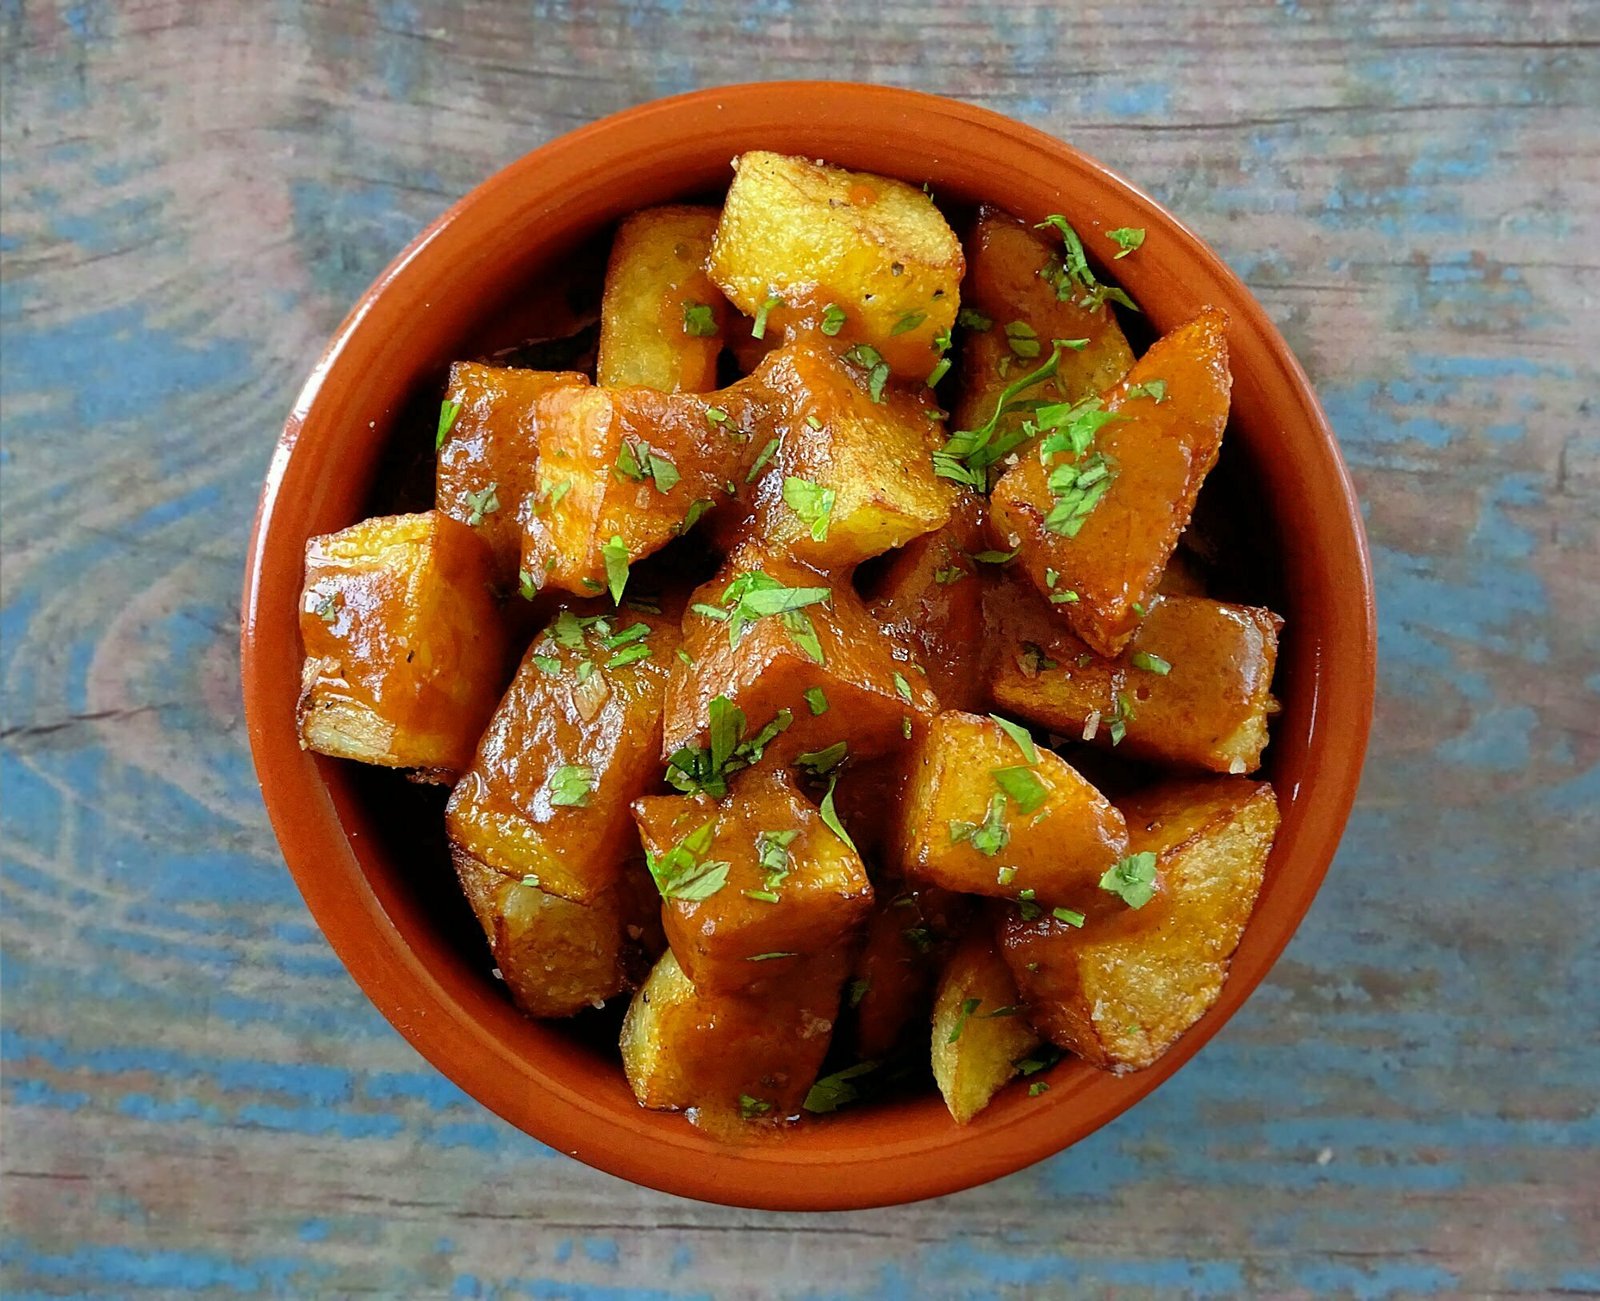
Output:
[[198, 1099]]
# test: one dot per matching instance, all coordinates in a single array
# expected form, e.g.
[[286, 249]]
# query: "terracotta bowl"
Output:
[[365, 848]]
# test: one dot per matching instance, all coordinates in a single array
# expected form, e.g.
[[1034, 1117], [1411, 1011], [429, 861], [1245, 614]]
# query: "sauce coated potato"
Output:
[[979, 1031]]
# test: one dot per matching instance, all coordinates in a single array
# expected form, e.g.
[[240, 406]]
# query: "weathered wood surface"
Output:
[[198, 1098]]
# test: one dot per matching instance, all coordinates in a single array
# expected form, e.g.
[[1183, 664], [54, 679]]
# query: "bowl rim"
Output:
[[465, 1043]]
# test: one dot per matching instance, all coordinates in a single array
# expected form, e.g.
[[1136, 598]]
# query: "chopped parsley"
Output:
[[707, 768], [699, 320], [1119, 718], [758, 330], [940, 369], [629, 655], [549, 665], [1068, 916], [716, 416], [527, 589], [908, 322], [1043, 1058], [833, 319], [762, 457], [830, 818], [813, 423], [683, 872], [697, 508], [870, 362], [531, 881], [1071, 276], [1023, 340], [327, 607], [996, 557], [969, 453], [968, 1007], [448, 411], [1020, 735], [970, 318], [750, 1108], [1078, 487], [988, 837], [833, 1091], [1133, 880], [1038, 1087], [817, 702], [949, 574], [1023, 787], [811, 502], [858, 991], [615, 555], [821, 762], [1151, 388], [638, 461], [756, 595], [772, 852], [1034, 661], [1150, 663], [1006, 875], [570, 786], [769, 957], [902, 688], [1127, 239], [479, 504]]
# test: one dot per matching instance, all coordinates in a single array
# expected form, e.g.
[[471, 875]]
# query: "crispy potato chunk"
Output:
[[486, 462], [824, 669], [1003, 284], [814, 237], [555, 956], [1119, 991], [662, 320], [576, 739], [753, 886], [931, 596], [849, 477], [1171, 409], [1193, 688], [986, 815], [750, 1056], [979, 1032], [908, 937], [622, 472], [405, 646]]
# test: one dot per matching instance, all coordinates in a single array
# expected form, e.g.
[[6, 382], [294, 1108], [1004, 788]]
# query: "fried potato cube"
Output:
[[1193, 688], [662, 320], [908, 938], [485, 468], [622, 472], [988, 815], [555, 956], [979, 1031], [1107, 546], [798, 238], [819, 666], [1119, 991], [731, 1057], [931, 596], [850, 477], [406, 649], [576, 739], [753, 886], [1024, 314]]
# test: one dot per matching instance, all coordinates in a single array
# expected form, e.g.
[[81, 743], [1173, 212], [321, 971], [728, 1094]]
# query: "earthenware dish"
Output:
[[382, 894]]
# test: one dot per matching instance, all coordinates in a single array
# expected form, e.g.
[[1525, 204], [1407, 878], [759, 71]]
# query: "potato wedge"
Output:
[[931, 596], [622, 472], [485, 470], [555, 956], [823, 669], [849, 477], [1193, 688], [406, 649], [1023, 313], [662, 321], [576, 739], [979, 1031], [1098, 551], [1120, 991], [752, 887], [730, 1057], [987, 815], [908, 937], [798, 238]]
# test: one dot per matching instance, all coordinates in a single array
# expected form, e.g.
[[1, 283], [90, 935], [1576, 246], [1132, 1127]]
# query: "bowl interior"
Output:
[[367, 848]]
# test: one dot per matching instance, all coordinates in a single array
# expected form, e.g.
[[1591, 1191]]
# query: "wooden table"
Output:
[[197, 1096]]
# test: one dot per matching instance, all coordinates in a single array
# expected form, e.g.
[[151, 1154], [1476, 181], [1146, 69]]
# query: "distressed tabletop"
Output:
[[198, 1098]]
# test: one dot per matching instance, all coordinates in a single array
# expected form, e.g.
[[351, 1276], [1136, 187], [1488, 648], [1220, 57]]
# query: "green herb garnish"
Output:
[[1133, 880], [683, 872], [481, 503], [815, 699], [1127, 239], [758, 330], [811, 502], [968, 1007], [699, 320], [448, 411], [1072, 278], [1150, 663], [833, 319], [615, 554], [1023, 786], [570, 785], [870, 362]]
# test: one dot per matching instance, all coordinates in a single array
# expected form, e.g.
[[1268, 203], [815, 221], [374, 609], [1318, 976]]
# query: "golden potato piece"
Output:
[[986, 814], [931, 597], [576, 739], [1119, 991], [485, 468], [406, 648], [555, 956], [849, 477], [1020, 314], [798, 238], [662, 320], [1096, 530], [751, 887], [979, 1030], [730, 1057], [1193, 688], [908, 938], [823, 668]]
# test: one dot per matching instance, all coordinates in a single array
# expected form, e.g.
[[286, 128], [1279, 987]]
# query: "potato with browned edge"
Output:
[[991, 813], [751, 886], [662, 320], [405, 647], [1095, 529], [1193, 688], [979, 1030], [1152, 953], [805, 247], [576, 740], [730, 1057]]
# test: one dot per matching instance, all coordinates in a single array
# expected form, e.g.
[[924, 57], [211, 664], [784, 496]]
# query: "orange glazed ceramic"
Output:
[[373, 867]]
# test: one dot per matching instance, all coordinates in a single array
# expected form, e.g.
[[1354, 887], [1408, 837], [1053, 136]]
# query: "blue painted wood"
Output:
[[198, 1099]]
